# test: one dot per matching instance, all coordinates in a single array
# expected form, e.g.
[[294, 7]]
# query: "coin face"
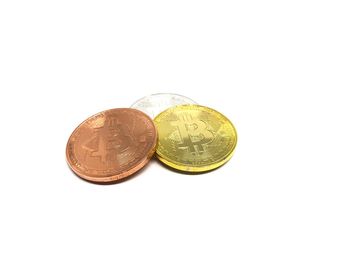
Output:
[[111, 145], [194, 138], [154, 104]]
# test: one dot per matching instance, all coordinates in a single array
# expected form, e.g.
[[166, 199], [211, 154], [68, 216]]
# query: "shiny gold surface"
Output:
[[194, 138]]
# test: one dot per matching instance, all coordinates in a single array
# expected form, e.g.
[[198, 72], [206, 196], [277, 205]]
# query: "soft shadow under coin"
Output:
[[185, 172], [130, 177]]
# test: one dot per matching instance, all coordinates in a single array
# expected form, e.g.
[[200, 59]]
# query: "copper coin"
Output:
[[111, 145]]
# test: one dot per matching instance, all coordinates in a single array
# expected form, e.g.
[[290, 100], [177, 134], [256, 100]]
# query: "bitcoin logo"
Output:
[[194, 133], [109, 140], [194, 138]]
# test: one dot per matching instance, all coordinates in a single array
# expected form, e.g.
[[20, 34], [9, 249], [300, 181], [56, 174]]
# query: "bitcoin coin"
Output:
[[154, 104], [194, 138], [111, 145]]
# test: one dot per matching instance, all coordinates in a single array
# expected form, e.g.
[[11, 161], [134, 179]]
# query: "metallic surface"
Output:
[[194, 138], [154, 104], [111, 145]]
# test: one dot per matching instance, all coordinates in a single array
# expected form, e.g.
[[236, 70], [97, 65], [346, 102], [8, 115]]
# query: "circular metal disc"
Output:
[[111, 145], [194, 138], [154, 104]]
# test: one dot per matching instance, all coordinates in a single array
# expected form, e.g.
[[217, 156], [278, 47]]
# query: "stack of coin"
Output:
[[115, 144]]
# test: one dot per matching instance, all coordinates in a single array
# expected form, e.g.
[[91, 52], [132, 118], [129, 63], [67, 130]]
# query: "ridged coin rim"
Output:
[[195, 169]]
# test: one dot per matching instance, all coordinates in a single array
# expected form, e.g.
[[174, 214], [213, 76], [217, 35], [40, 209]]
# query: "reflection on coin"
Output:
[[154, 104], [111, 145], [194, 138]]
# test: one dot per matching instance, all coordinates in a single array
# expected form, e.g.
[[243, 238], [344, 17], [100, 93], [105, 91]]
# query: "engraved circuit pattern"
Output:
[[197, 139], [111, 145]]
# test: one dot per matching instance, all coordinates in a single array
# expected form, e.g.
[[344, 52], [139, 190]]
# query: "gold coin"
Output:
[[194, 138]]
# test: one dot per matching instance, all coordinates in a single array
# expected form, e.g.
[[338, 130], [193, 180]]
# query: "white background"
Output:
[[278, 69]]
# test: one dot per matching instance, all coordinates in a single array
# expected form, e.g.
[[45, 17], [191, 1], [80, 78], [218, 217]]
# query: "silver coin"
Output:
[[154, 104]]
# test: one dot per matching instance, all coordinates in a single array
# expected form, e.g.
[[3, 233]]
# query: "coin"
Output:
[[111, 145], [154, 104], [194, 138]]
